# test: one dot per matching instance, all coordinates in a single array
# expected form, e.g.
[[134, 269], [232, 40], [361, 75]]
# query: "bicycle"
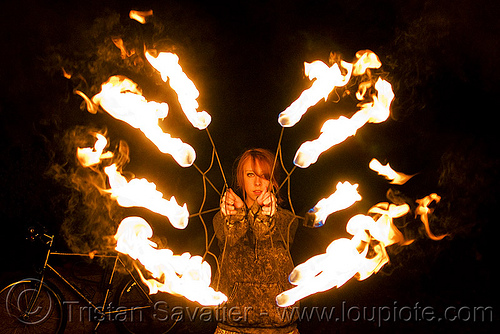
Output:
[[35, 305]]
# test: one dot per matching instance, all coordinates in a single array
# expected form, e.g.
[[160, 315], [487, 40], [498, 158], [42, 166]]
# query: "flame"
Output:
[[322, 272], [345, 195], [168, 65], [388, 172], [386, 231], [327, 78], [66, 74], [140, 16], [365, 59], [379, 109], [90, 156], [123, 100], [423, 211], [118, 42], [362, 88], [345, 258], [335, 131], [91, 107], [142, 193], [181, 275]]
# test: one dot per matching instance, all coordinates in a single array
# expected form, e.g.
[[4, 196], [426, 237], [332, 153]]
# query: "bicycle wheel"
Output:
[[143, 313], [46, 315]]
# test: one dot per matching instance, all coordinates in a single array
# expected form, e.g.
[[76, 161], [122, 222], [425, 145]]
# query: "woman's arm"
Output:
[[262, 220], [230, 223], [232, 228], [282, 223]]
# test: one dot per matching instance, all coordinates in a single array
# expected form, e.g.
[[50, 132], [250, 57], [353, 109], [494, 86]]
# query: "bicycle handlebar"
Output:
[[34, 234]]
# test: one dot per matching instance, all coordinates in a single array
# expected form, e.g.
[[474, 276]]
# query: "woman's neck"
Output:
[[249, 202]]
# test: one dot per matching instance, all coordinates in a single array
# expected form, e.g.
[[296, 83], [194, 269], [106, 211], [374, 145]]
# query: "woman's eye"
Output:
[[250, 174]]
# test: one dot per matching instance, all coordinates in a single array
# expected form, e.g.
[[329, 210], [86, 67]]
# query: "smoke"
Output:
[[109, 45], [91, 216], [442, 76], [469, 179]]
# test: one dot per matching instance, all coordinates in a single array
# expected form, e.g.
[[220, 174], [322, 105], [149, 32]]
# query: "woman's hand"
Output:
[[267, 201], [230, 202]]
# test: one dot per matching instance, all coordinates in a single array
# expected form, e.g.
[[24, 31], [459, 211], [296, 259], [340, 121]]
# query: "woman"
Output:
[[254, 236]]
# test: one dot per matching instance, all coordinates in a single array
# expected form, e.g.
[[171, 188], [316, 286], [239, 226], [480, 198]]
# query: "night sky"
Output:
[[246, 59]]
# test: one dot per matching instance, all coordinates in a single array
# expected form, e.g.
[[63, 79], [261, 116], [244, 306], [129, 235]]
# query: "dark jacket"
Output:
[[253, 269]]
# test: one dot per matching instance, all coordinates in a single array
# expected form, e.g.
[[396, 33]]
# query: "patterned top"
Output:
[[254, 268]]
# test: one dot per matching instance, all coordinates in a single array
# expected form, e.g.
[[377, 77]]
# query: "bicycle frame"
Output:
[[101, 311]]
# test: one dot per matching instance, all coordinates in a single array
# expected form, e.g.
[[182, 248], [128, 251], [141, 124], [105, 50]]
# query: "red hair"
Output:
[[266, 162]]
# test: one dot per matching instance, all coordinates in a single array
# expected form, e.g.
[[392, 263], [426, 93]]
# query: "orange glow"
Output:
[[142, 193], [345, 258], [66, 74], [345, 195], [123, 100], [322, 272], [140, 16], [362, 88], [379, 109], [385, 231], [118, 42], [389, 173], [181, 275], [168, 65], [365, 59], [423, 211], [335, 131], [90, 156], [327, 78], [91, 107]]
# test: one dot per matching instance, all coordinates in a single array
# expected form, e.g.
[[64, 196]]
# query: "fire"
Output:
[[67, 75], [181, 275], [122, 99], [335, 131], [386, 231], [345, 258], [345, 195], [168, 65], [140, 16], [136, 192], [379, 109], [90, 156], [118, 42], [389, 173], [91, 107], [327, 78], [423, 211], [365, 59], [190, 276], [142, 193]]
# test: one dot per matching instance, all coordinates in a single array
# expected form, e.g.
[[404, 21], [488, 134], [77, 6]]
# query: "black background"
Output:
[[246, 59]]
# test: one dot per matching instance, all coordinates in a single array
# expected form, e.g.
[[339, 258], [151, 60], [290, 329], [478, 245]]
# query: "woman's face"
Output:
[[254, 181]]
